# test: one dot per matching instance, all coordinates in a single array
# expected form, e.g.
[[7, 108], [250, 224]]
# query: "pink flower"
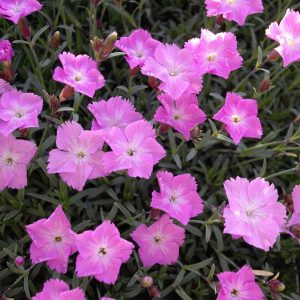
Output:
[[19, 110], [6, 51], [138, 47], [239, 285], [55, 289], [294, 222], [240, 117], [134, 149], [215, 53], [79, 72], [79, 156], [53, 241], [115, 112], [234, 10], [14, 10], [253, 212], [182, 114], [160, 242], [102, 252], [176, 69], [178, 196], [15, 156], [287, 34], [4, 87]]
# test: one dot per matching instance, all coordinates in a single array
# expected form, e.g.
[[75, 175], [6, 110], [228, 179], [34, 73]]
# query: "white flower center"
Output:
[[235, 119], [211, 56]]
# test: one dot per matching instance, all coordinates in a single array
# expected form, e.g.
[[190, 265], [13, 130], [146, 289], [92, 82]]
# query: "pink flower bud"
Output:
[[273, 56], [147, 282], [155, 214], [19, 260], [6, 51], [276, 286], [154, 291]]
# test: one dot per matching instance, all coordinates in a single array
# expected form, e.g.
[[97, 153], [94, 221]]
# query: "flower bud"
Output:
[[134, 71], [147, 282], [288, 201], [19, 260], [295, 230], [273, 56], [154, 291], [55, 40], [24, 28], [8, 73], [66, 93], [265, 85], [6, 51], [220, 20], [276, 286], [163, 128], [153, 82], [155, 214]]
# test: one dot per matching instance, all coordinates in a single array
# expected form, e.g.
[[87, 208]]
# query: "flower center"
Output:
[[77, 77], [234, 293], [19, 114], [172, 198], [57, 239], [9, 161], [172, 73], [81, 155], [235, 119], [130, 152], [139, 53], [211, 56], [177, 116], [102, 251], [157, 239], [231, 1], [250, 213]]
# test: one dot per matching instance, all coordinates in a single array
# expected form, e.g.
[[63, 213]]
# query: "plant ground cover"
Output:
[[210, 157]]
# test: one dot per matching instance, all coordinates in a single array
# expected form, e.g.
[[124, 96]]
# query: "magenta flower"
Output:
[[287, 34], [14, 10], [15, 156], [102, 252], [115, 112], [176, 69], [55, 289], [79, 72], [138, 47], [79, 156], [53, 241], [160, 242], [4, 87], [134, 149], [294, 222], [240, 117], [6, 50], [215, 53], [239, 285], [253, 212], [234, 10], [19, 110], [182, 114], [178, 196]]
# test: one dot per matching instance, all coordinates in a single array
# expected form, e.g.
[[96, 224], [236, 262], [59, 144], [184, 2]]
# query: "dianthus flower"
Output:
[[102, 252], [19, 110], [79, 72], [287, 34], [134, 149], [14, 10], [53, 241], [6, 51], [215, 53], [182, 114], [79, 156], [138, 46], [4, 87], [160, 242], [176, 70], [178, 196], [15, 156], [253, 212], [239, 285], [234, 10], [55, 289], [115, 112], [240, 117], [294, 222]]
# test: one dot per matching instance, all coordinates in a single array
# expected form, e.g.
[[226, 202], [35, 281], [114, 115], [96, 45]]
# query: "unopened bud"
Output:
[[276, 286], [147, 282], [154, 291], [265, 85], [220, 20], [163, 128], [273, 56], [19, 260], [288, 201], [134, 71], [153, 82], [66, 93], [155, 214], [55, 40], [97, 44], [24, 133], [8, 72], [24, 28]]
